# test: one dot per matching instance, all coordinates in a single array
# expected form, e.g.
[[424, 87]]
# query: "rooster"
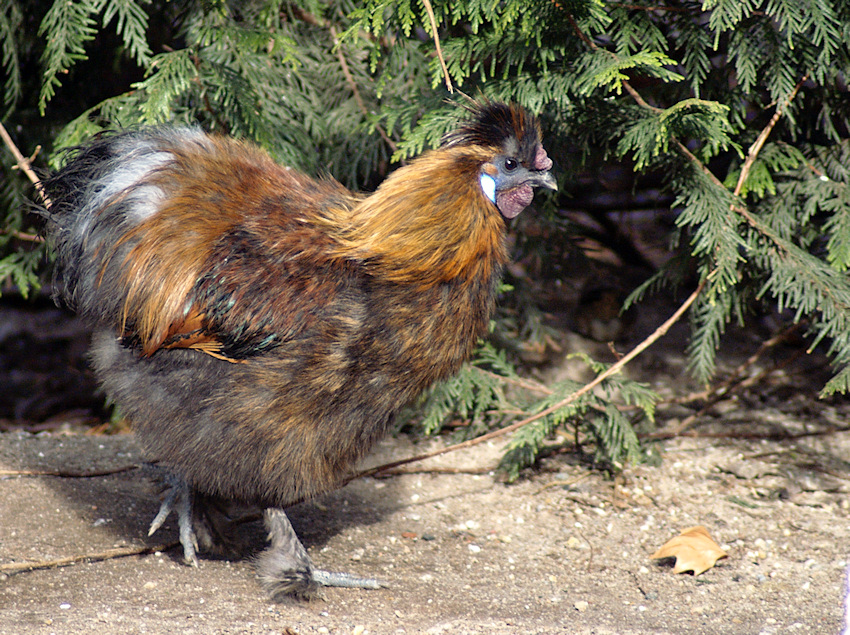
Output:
[[260, 327]]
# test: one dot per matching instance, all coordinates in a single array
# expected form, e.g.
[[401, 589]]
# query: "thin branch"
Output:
[[636, 7], [612, 370], [751, 436], [120, 552], [717, 397], [24, 164], [762, 138], [32, 238], [439, 470], [349, 78], [752, 154], [581, 34], [436, 35], [69, 474], [733, 381], [638, 98]]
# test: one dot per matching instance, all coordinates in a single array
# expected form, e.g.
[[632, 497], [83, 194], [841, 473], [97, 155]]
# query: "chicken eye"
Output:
[[511, 164]]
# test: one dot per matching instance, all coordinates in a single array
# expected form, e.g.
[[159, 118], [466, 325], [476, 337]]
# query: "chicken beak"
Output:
[[544, 179]]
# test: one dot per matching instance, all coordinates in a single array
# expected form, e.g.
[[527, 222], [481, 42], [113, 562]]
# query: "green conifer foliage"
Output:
[[741, 106]]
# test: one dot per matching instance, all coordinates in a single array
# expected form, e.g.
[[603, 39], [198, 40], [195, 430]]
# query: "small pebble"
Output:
[[581, 606], [474, 548]]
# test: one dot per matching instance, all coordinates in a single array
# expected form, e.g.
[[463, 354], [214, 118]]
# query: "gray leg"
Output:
[[285, 568], [178, 498]]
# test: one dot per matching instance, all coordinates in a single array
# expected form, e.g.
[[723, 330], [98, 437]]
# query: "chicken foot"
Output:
[[285, 568]]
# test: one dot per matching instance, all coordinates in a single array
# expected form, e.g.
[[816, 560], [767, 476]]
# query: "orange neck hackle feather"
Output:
[[429, 222]]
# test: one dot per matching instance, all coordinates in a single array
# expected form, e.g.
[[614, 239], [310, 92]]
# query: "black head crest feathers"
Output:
[[493, 124]]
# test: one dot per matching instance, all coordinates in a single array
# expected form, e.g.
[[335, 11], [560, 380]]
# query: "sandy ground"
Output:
[[563, 551]]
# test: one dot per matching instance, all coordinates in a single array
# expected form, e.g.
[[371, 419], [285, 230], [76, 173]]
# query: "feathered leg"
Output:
[[285, 568]]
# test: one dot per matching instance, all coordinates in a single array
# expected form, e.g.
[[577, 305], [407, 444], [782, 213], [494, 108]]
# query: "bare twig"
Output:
[[68, 474], [751, 436], [120, 552], [430, 10], [764, 134], [439, 470], [349, 78], [24, 164], [32, 238], [566, 483]]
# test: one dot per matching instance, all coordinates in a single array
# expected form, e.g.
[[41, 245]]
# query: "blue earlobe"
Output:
[[488, 184]]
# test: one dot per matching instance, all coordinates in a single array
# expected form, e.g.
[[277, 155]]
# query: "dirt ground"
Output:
[[564, 550]]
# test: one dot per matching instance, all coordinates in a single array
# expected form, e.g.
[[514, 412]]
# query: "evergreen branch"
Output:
[[625, 83], [132, 25], [67, 27], [11, 18], [612, 370], [752, 154], [754, 149]]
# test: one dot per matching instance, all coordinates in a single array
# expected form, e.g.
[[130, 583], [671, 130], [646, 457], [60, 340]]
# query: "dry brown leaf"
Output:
[[693, 549]]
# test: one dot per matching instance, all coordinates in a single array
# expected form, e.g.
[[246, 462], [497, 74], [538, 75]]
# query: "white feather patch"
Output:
[[488, 184]]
